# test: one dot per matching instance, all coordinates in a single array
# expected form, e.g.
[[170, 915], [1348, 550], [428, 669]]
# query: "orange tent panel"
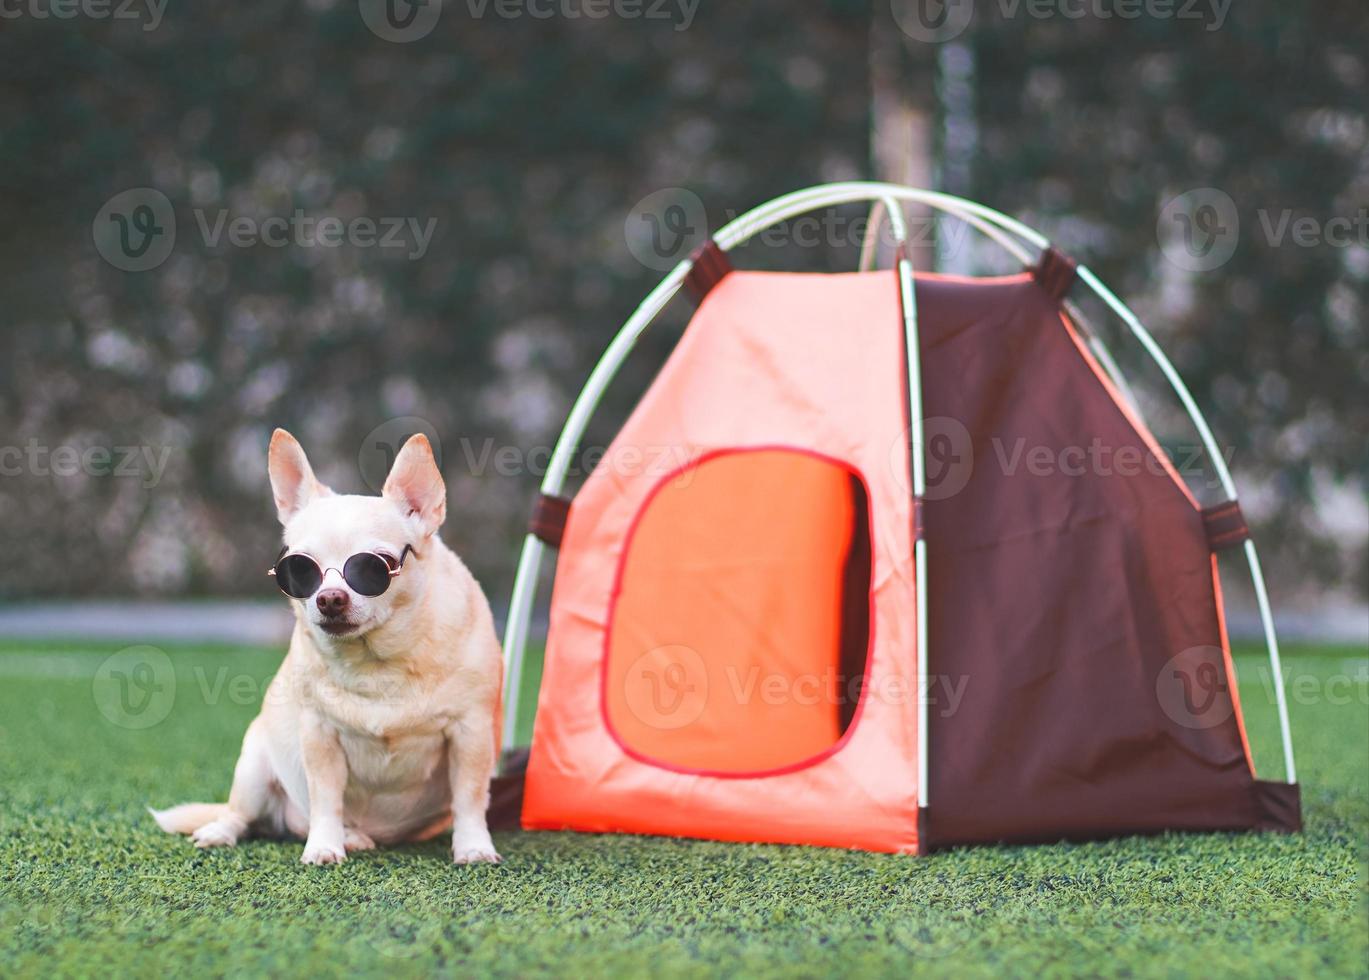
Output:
[[781, 389]]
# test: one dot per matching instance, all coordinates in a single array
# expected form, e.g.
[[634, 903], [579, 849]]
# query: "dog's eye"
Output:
[[390, 559]]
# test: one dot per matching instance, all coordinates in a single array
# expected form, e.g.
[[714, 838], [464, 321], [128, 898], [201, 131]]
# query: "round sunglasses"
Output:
[[299, 576]]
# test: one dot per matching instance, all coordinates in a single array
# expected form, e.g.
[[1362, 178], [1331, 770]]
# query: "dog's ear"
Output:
[[293, 483], [415, 483]]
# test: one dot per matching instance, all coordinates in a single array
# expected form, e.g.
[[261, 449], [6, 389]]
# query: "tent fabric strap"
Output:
[[1225, 526], [1055, 272], [709, 266], [548, 521]]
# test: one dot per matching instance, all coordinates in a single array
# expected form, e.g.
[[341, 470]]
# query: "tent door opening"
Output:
[[740, 624]]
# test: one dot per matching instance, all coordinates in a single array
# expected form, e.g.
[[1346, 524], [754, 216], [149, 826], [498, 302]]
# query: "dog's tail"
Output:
[[188, 817]]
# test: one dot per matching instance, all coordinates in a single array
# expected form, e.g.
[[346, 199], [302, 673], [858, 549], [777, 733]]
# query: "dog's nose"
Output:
[[333, 602]]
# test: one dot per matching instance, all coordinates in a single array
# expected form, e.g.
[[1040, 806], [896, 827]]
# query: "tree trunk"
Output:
[[903, 125]]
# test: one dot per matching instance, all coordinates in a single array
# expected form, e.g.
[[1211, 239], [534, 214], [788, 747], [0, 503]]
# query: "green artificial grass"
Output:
[[89, 886]]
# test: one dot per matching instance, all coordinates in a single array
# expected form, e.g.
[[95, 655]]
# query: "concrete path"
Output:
[[246, 622], [268, 623]]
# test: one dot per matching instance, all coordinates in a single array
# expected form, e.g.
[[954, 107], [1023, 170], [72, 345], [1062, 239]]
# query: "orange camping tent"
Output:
[[886, 562]]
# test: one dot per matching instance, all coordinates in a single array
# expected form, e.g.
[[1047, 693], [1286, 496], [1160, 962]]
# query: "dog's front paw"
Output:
[[215, 834], [476, 855], [357, 840], [474, 848], [323, 852]]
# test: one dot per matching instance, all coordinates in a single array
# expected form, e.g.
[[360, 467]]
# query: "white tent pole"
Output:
[[782, 208], [913, 359], [1104, 357], [516, 632], [1171, 375], [1267, 618], [530, 562], [913, 353]]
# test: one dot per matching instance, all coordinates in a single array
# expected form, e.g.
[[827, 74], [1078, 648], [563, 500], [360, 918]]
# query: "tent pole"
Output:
[[1172, 376], [516, 632], [1267, 618], [530, 561], [913, 355]]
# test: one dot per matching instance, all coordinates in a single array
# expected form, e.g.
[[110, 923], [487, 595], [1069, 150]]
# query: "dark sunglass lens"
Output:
[[367, 574], [298, 576]]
